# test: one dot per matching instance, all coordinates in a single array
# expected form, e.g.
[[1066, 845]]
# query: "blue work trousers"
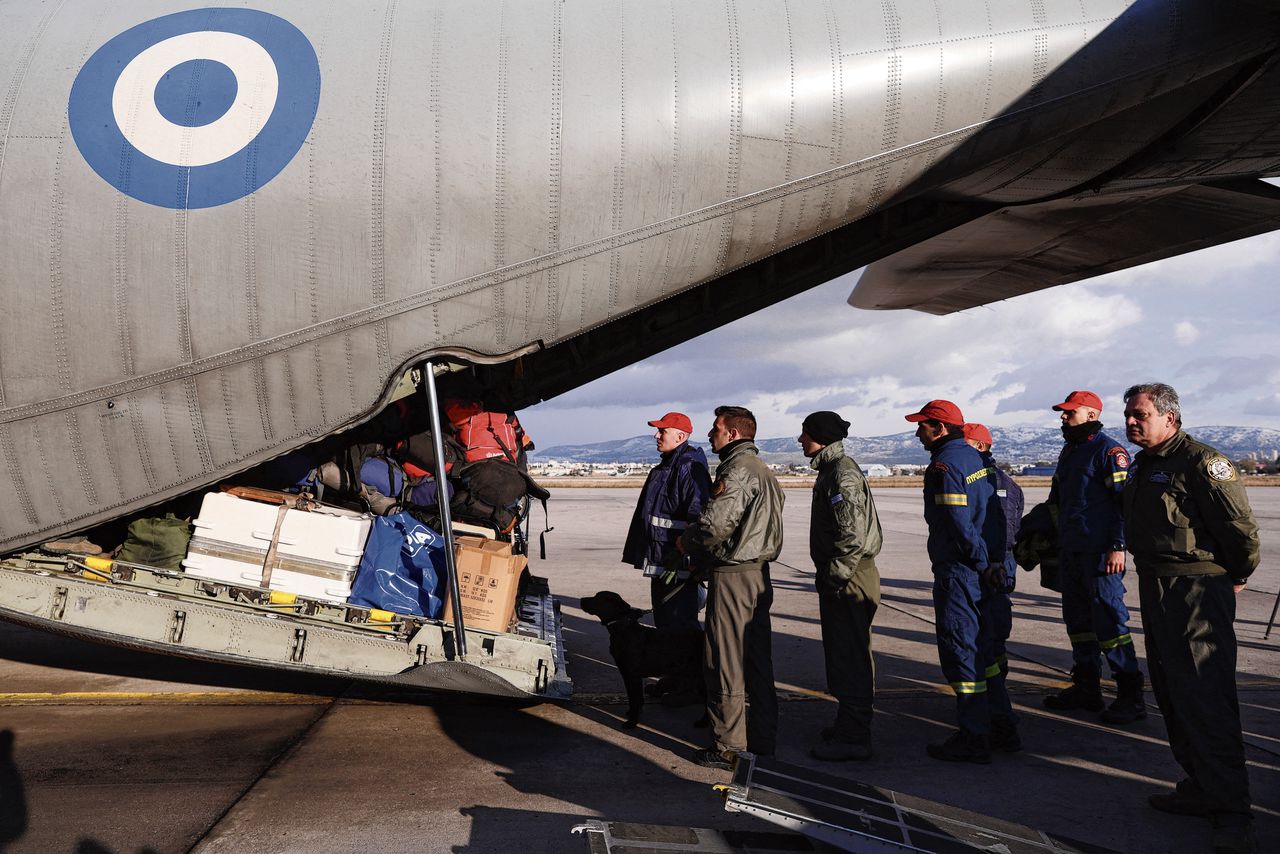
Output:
[[995, 614], [1093, 609], [676, 606], [956, 598]]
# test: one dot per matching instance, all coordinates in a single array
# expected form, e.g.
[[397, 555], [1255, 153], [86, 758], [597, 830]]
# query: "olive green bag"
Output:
[[157, 541]]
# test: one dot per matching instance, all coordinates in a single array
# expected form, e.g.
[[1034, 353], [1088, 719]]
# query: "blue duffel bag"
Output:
[[388, 478], [401, 569]]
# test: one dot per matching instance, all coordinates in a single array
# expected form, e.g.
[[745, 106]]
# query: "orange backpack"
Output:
[[487, 435]]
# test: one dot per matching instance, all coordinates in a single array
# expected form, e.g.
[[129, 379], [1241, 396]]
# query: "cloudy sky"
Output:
[[1205, 323]]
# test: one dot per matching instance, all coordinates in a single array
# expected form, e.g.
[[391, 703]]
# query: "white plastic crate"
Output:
[[318, 553]]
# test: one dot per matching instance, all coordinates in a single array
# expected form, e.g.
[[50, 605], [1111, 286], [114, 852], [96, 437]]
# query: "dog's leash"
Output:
[[674, 590]]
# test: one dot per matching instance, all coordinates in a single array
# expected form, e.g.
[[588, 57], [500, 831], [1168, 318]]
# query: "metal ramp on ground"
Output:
[[833, 814]]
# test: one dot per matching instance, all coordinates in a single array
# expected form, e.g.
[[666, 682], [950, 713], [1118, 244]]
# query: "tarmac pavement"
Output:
[[121, 752]]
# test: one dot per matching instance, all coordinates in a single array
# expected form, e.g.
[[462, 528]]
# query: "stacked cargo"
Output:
[[355, 519], [293, 545]]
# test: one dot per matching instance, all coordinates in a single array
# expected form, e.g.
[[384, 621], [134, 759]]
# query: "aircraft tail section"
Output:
[[1017, 250]]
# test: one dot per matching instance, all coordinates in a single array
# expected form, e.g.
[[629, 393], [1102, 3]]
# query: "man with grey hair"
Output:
[[1194, 543]]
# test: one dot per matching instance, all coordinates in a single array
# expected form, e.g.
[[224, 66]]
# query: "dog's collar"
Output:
[[608, 624]]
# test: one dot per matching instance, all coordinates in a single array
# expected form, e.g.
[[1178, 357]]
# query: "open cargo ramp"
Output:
[[173, 613], [833, 814]]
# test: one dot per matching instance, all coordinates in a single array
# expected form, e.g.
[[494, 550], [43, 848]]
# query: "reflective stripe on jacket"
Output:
[[1087, 485], [1187, 513], [674, 494], [844, 528], [958, 489]]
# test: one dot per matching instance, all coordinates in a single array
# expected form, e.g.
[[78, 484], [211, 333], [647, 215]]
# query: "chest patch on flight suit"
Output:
[[836, 499], [1220, 468], [1161, 477]]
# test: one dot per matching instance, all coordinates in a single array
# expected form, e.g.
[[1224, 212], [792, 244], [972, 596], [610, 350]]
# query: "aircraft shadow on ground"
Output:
[[1065, 756], [590, 772], [13, 801]]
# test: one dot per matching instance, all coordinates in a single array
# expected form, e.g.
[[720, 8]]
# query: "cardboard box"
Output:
[[488, 576]]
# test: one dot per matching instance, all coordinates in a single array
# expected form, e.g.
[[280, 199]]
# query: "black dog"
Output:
[[640, 651]]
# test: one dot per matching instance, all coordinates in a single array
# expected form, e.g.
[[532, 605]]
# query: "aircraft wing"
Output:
[[1017, 250]]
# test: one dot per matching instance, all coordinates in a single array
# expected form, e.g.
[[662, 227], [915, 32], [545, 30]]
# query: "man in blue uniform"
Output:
[[995, 609], [673, 496], [958, 491], [1087, 488]]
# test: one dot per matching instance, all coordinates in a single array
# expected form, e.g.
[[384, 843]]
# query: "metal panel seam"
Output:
[[377, 183], [555, 168], [500, 168], [437, 129], [619, 170], [734, 153]]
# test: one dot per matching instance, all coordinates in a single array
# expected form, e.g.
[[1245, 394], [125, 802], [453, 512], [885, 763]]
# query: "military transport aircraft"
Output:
[[229, 232]]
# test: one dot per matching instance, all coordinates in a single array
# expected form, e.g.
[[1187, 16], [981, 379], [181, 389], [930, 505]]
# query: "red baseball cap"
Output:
[[678, 420], [1077, 399], [978, 433], [939, 410]]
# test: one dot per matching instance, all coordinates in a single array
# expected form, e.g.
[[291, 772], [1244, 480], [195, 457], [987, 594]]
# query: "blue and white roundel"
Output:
[[196, 109]]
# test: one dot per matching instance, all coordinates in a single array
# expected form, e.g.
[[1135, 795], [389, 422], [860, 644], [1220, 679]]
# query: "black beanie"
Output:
[[825, 427]]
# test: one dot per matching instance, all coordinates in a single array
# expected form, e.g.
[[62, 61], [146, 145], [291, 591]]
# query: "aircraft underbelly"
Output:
[[487, 179]]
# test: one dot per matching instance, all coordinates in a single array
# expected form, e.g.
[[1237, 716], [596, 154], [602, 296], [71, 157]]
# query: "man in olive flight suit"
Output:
[[1194, 542], [844, 539], [732, 542]]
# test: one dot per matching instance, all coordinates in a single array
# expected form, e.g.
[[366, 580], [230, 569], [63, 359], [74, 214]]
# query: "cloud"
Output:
[[1185, 333], [1269, 405]]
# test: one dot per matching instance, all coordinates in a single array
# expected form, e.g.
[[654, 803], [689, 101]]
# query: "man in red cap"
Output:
[[1004, 516], [1087, 487], [673, 496], [958, 492]]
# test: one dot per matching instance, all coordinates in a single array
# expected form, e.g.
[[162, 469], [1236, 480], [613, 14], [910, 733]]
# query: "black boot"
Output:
[[1085, 691], [962, 746], [1004, 735], [1129, 705]]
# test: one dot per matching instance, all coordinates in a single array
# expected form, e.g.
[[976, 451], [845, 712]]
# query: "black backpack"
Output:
[[494, 493]]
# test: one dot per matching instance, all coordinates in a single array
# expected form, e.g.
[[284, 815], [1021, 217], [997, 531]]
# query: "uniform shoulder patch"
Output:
[[1220, 468], [939, 467], [718, 489], [836, 499], [1121, 457]]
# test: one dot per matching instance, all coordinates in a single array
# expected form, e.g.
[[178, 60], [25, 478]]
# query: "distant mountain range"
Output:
[[1020, 444]]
